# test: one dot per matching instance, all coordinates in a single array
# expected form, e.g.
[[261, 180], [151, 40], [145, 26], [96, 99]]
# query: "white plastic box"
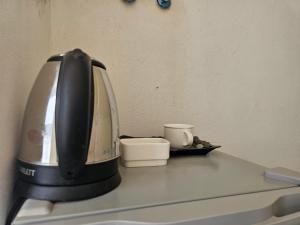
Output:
[[139, 152]]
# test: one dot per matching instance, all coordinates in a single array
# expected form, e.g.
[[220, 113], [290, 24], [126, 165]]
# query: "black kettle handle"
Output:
[[74, 112]]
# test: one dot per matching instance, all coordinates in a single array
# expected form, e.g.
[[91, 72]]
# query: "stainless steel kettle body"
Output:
[[69, 148]]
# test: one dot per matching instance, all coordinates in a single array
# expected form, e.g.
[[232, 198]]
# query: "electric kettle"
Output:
[[69, 143]]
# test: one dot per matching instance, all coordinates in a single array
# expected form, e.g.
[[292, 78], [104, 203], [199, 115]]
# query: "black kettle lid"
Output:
[[60, 57]]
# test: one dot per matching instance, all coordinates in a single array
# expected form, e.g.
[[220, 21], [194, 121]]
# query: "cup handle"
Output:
[[189, 138]]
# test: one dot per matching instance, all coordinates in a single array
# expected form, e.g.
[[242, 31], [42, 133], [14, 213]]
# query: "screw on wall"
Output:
[[164, 4], [129, 1]]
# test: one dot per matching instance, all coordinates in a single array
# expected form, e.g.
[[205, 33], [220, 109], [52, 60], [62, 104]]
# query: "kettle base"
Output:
[[67, 193]]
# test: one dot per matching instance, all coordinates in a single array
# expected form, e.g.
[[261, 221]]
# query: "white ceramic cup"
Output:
[[179, 135]]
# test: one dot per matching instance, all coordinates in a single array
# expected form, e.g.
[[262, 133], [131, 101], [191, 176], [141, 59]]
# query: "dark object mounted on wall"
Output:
[[129, 1], [164, 4]]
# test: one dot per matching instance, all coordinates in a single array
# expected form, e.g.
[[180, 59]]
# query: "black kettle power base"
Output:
[[47, 183], [24, 190], [67, 193]]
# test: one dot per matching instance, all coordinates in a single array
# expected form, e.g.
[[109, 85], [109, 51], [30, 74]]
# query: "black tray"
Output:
[[192, 151]]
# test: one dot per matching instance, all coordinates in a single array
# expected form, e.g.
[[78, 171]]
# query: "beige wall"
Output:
[[229, 67], [24, 45]]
